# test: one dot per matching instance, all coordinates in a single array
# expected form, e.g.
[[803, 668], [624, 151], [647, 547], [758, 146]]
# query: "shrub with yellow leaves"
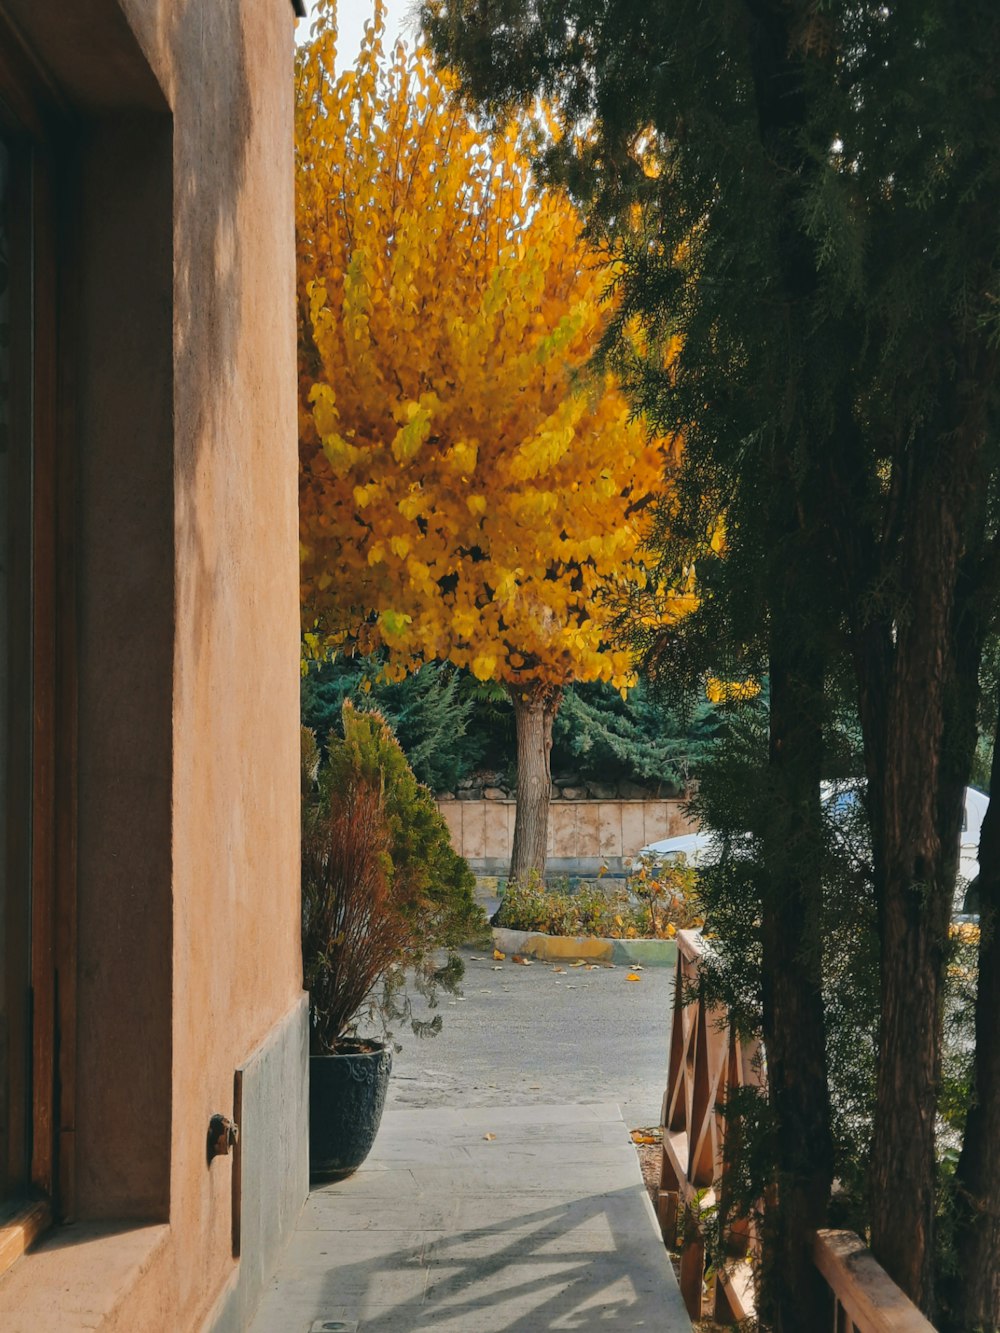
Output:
[[652, 908]]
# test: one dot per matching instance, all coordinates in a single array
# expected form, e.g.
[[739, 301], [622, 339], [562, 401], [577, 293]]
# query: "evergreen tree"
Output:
[[604, 738], [450, 725], [802, 201], [429, 712]]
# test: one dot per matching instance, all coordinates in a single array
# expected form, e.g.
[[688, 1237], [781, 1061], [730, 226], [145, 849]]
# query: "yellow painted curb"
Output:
[[558, 948], [552, 947]]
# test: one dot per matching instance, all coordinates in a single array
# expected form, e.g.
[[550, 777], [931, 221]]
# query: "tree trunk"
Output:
[[975, 1299], [535, 708], [903, 1171], [794, 1026], [928, 737], [792, 1297]]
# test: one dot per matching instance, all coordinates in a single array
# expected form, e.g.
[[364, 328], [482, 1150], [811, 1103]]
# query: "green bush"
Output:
[[382, 889]]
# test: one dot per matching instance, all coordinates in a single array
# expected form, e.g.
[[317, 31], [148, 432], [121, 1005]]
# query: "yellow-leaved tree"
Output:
[[468, 492]]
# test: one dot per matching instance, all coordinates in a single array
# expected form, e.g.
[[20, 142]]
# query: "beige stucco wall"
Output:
[[187, 567], [579, 831], [227, 69]]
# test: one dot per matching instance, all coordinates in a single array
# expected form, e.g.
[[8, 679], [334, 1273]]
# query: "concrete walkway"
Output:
[[523, 1218]]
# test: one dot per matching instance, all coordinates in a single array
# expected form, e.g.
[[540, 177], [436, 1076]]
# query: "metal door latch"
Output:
[[222, 1136]]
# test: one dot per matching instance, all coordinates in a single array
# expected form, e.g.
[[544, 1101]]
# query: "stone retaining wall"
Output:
[[583, 835]]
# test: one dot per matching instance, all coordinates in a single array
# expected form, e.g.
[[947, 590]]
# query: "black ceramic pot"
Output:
[[346, 1097]]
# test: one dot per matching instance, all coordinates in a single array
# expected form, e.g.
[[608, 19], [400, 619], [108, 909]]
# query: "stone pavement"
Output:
[[477, 1220]]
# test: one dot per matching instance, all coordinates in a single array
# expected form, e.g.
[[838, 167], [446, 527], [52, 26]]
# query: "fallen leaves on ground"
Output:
[[651, 1134], [489, 1137], [633, 976], [498, 955], [518, 958], [558, 969]]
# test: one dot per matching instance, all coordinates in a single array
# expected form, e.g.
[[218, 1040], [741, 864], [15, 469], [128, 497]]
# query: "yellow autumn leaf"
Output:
[[729, 691], [464, 623], [469, 492], [483, 666]]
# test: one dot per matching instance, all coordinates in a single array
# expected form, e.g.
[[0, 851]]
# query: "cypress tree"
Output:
[[802, 197]]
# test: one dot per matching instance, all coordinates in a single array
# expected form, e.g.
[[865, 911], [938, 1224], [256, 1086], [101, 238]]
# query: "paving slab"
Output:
[[482, 1220]]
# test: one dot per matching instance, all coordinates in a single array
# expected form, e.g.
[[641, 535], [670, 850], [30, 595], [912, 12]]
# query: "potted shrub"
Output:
[[382, 893]]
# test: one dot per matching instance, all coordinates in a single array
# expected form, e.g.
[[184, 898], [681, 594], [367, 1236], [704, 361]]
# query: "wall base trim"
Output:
[[274, 1154]]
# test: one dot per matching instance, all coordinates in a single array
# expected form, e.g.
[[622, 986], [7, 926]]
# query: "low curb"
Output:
[[589, 948]]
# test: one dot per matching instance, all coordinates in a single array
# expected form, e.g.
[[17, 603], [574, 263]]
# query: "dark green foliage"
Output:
[[986, 720], [957, 1083], [821, 234], [735, 796], [491, 727], [429, 711], [603, 738], [451, 726]]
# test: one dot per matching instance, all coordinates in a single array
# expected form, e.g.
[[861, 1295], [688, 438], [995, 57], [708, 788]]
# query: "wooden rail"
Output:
[[866, 1300], [706, 1064]]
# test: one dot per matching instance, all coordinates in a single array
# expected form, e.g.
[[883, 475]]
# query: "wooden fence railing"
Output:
[[865, 1298], [706, 1064]]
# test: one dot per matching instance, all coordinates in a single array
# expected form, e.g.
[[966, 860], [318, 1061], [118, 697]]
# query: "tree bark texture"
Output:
[[535, 708], [928, 736], [975, 1298], [793, 1299]]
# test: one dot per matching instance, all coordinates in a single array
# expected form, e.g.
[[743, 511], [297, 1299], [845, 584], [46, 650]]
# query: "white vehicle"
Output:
[[975, 808], [700, 848], [966, 892], [691, 846]]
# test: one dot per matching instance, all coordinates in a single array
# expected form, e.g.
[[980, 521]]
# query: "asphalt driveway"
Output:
[[521, 1035]]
